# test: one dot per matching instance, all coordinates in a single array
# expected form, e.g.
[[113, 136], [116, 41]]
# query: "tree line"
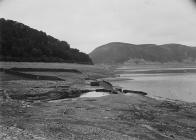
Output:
[[19, 42]]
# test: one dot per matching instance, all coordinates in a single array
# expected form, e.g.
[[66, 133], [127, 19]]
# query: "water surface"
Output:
[[177, 86], [94, 94]]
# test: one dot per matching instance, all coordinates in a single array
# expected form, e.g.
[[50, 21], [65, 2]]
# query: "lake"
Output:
[[172, 83]]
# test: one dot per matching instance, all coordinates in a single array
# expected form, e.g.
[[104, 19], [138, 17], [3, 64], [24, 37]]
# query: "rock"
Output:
[[106, 85], [119, 89], [135, 92], [103, 90], [94, 83]]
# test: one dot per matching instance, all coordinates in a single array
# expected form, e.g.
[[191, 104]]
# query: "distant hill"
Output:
[[19, 42], [117, 52]]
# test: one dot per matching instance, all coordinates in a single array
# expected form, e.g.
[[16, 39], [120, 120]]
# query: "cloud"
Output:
[[87, 24]]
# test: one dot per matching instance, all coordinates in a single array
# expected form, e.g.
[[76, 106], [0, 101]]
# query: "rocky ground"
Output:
[[110, 117], [129, 117]]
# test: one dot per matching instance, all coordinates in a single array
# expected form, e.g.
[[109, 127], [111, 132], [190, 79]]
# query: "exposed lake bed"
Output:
[[93, 116]]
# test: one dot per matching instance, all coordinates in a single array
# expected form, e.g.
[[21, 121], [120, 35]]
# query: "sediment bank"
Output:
[[40, 111]]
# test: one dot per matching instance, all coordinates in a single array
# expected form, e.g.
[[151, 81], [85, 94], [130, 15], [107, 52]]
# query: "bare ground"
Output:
[[129, 117]]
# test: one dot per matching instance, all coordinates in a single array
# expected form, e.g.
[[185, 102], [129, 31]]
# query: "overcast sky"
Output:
[[87, 24]]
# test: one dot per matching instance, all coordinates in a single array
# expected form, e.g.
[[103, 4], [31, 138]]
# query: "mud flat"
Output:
[[114, 116]]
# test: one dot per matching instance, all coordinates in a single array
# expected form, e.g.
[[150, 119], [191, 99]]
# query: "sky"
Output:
[[87, 24]]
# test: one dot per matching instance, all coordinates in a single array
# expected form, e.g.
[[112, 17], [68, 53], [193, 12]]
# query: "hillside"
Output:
[[19, 42], [117, 52]]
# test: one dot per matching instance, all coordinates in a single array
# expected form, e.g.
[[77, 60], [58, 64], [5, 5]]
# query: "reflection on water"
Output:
[[94, 94], [180, 86]]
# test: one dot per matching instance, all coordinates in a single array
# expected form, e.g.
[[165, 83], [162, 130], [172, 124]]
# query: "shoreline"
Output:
[[115, 116], [156, 74]]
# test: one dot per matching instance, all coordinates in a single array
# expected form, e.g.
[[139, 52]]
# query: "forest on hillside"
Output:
[[21, 43]]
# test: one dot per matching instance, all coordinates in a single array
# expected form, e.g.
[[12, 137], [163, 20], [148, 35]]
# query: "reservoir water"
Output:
[[171, 85]]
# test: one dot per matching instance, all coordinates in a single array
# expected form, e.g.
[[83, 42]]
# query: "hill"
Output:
[[117, 52], [19, 42]]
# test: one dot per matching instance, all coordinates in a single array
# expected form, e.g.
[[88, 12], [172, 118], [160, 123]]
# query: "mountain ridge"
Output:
[[119, 52]]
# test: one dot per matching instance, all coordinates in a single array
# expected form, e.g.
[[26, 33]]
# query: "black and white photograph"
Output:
[[98, 70]]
